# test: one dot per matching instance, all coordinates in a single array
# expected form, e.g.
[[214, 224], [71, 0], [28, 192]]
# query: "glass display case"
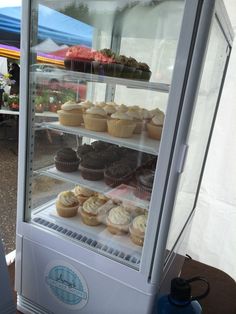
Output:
[[113, 141]]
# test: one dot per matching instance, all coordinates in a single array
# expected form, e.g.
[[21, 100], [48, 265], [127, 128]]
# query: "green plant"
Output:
[[39, 100], [13, 99]]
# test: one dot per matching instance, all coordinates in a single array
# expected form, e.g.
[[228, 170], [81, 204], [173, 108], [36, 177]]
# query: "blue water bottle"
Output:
[[180, 301]]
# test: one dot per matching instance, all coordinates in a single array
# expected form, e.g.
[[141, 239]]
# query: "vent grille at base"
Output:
[[88, 241], [29, 306]]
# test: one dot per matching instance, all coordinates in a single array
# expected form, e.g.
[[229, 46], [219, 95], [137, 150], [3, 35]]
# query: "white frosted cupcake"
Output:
[[82, 193], [118, 220], [67, 204], [95, 119], [135, 114], [86, 105], [71, 114], [137, 229], [154, 127], [90, 210], [110, 109], [121, 125], [122, 108]]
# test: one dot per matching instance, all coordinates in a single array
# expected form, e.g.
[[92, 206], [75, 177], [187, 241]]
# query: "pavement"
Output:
[[8, 184]]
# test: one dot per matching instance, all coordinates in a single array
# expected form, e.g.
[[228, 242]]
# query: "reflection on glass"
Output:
[[199, 132]]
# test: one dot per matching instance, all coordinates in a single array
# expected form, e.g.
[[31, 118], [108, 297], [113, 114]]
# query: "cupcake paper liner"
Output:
[[66, 166]]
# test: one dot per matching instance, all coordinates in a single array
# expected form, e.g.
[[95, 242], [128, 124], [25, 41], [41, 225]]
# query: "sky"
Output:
[[11, 3]]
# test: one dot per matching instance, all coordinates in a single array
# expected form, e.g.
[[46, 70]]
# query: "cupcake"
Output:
[[122, 108], [137, 229], [145, 179], [146, 73], [95, 119], [86, 105], [137, 118], [90, 211], [121, 125], [146, 115], [99, 146], [154, 127], [101, 104], [118, 220], [118, 173], [82, 193], [71, 114], [67, 204], [83, 150], [79, 58], [66, 160], [110, 109], [92, 167], [130, 66]]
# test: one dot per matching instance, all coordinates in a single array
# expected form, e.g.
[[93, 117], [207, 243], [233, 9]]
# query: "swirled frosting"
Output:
[[119, 216], [121, 116], [92, 205], [135, 114], [86, 104], [80, 190], [158, 119], [140, 223], [109, 109], [67, 198], [145, 114], [70, 105], [96, 110]]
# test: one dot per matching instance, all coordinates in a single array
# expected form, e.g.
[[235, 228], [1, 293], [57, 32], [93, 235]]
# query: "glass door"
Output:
[[99, 84]]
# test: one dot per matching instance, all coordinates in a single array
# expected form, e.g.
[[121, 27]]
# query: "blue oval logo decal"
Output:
[[67, 286]]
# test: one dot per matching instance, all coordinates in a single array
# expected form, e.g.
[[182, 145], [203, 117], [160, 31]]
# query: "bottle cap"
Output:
[[180, 290]]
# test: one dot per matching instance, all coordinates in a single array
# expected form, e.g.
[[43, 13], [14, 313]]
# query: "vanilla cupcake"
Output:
[[71, 114], [154, 127], [118, 220], [122, 108], [95, 119], [86, 105], [146, 116], [101, 104], [135, 114], [121, 125], [137, 229], [67, 204], [90, 211], [110, 109], [82, 193], [155, 112]]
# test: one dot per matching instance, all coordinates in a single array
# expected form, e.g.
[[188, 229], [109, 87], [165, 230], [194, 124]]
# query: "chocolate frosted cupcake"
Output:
[[145, 179], [118, 173], [109, 156], [83, 150], [129, 68], [92, 167], [100, 146], [146, 73], [66, 160]]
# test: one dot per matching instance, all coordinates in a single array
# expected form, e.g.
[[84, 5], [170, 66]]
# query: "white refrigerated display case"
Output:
[[118, 256]]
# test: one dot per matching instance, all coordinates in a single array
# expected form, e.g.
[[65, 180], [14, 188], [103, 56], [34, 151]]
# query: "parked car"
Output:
[[52, 77]]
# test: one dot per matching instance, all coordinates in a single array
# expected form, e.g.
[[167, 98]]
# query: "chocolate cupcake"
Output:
[[129, 68], [66, 160], [109, 156], [83, 150], [100, 146], [145, 179], [92, 167], [146, 73], [118, 173]]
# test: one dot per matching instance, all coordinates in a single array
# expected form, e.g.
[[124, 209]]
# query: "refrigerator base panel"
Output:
[[62, 285], [97, 238]]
